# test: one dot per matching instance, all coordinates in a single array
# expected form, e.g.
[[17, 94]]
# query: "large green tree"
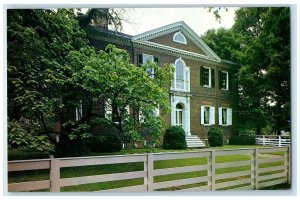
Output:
[[56, 79], [259, 42]]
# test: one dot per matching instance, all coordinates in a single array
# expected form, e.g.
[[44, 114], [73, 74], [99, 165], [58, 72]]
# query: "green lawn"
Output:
[[14, 177]]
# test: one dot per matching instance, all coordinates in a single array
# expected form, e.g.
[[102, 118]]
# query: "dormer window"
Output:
[[179, 37]]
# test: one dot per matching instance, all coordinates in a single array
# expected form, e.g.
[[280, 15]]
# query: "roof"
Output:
[[177, 26]]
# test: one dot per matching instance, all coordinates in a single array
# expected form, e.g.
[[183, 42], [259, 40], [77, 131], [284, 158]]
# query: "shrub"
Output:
[[215, 137], [25, 155], [174, 138], [105, 143], [22, 134], [242, 139]]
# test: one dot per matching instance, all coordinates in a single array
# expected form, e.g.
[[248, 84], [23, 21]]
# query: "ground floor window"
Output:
[[225, 116], [207, 115]]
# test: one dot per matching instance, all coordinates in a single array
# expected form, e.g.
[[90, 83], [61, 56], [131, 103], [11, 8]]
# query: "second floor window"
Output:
[[181, 76], [143, 58], [207, 77], [223, 80]]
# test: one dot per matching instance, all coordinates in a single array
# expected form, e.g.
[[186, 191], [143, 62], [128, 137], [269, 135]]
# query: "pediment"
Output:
[[164, 36]]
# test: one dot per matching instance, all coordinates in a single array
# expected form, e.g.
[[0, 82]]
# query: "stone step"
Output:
[[193, 141]]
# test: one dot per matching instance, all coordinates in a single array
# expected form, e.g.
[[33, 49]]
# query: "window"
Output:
[[225, 116], [179, 37], [207, 115], [111, 111], [181, 76], [224, 80], [207, 77], [78, 111], [143, 58], [179, 114]]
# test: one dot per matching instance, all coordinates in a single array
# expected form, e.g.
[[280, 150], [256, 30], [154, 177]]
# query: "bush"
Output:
[[26, 155], [174, 138], [242, 139], [215, 137], [105, 143], [23, 134]]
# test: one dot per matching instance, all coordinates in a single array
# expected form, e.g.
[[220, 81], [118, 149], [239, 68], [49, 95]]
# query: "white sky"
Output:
[[199, 19]]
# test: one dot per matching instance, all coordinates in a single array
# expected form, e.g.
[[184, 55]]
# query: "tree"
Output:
[[259, 42], [45, 47], [265, 65], [56, 79], [224, 42], [129, 92], [102, 16]]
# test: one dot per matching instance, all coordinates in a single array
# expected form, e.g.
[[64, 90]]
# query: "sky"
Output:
[[199, 19]]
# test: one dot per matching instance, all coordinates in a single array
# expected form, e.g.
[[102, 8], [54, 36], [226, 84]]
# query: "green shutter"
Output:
[[220, 79], [201, 76], [140, 59], [212, 78]]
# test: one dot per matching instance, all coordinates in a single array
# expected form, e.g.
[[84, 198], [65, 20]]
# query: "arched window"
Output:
[[179, 37], [180, 74]]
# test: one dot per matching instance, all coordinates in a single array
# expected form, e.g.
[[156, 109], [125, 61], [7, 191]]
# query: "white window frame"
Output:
[[108, 109], [211, 115], [227, 81], [209, 77], [179, 41], [186, 77], [151, 60], [78, 111], [228, 116]]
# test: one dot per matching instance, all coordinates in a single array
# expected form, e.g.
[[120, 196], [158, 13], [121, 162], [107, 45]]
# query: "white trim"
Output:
[[185, 101], [108, 109], [179, 41], [227, 81], [209, 77], [156, 46], [151, 58], [211, 116], [228, 116], [186, 77], [178, 26], [78, 111]]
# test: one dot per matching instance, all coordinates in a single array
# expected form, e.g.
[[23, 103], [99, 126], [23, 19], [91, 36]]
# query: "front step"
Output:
[[194, 141]]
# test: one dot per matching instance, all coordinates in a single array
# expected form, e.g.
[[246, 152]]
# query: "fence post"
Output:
[[150, 164], [255, 168], [54, 175], [263, 140], [288, 160], [279, 141], [211, 170]]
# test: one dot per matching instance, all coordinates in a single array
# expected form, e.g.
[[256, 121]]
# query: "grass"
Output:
[[128, 167]]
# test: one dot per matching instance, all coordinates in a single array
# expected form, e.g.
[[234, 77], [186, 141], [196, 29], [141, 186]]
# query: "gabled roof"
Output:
[[177, 26]]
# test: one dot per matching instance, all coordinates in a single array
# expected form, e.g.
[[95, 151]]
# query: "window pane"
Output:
[[224, 116], [224, 80], [179, 75], [206, 115], [206, 77]]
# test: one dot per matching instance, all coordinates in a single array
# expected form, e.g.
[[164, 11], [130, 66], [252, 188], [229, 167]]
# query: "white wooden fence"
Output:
[[257, 173], [273, 140]]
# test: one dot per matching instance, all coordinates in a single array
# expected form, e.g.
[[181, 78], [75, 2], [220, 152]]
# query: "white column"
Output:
[[187, 120]]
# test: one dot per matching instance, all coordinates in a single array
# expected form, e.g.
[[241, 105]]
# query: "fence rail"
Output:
[[273, 140], [256, 173]]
